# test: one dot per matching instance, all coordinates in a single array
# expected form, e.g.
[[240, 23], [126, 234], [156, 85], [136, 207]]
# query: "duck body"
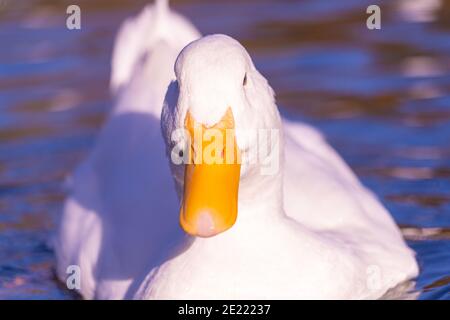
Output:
[[309, 231], [107, 227], [271, 263], [335, 240]]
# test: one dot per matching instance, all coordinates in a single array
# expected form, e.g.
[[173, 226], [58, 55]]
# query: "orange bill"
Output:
[[211, 179]]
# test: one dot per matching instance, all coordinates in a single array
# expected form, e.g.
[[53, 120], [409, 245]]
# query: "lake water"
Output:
[[382, 98]]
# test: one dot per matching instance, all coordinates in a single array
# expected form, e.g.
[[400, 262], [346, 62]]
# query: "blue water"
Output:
[[381, 97]]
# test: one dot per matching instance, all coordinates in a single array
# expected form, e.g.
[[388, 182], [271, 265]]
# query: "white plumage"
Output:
[[309, 231], [122, 207]]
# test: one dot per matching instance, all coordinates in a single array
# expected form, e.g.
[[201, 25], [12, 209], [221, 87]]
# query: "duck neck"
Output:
[[261, 185], [260, 209], [261, 195], [148, 85]]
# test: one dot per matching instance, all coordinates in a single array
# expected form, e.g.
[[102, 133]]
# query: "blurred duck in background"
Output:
[[122, 208]]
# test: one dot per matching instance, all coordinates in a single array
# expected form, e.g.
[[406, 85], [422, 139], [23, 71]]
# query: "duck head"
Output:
[[211, 121]]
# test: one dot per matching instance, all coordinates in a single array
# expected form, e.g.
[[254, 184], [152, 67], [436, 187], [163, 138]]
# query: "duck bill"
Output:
[[210, 196]]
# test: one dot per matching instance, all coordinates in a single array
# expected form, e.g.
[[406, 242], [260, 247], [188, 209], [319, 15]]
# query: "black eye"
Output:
[[244, 82], [181, 153]]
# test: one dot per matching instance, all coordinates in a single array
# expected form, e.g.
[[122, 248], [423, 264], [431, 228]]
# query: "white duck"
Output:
[[108, 227], [309, 230]]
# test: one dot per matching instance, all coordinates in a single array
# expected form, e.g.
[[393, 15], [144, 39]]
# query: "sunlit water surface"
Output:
[[381, 97]]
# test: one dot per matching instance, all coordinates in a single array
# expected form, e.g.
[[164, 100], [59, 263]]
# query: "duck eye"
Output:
[[244, 82]]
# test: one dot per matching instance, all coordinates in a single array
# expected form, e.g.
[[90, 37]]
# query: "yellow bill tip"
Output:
[[204, 225]]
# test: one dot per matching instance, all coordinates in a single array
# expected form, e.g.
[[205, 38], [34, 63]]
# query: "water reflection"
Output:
[[419, 10], [381, 97]]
